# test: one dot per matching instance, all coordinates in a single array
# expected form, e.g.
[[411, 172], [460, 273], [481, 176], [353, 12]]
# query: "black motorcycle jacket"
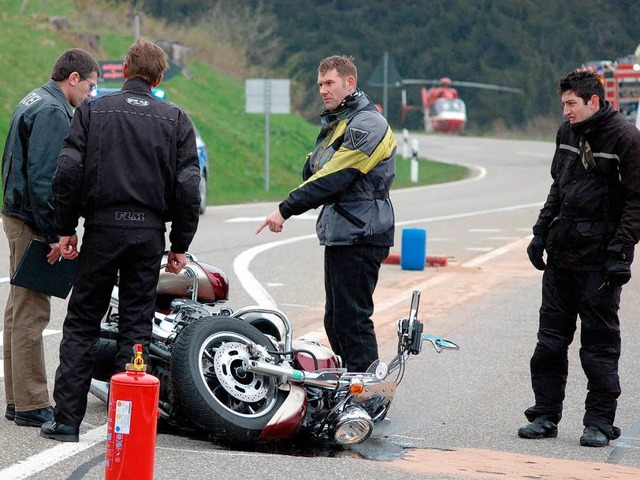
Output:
[[99, 179], [593, 207], [38, 127], [350, 172]]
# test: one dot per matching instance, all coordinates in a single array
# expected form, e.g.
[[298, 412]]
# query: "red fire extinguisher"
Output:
[[132, 424]]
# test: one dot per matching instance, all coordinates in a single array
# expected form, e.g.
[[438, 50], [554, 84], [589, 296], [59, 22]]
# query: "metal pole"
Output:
[[414, 161], [136, 25], [385, 80], [405, 143], [267, 129]]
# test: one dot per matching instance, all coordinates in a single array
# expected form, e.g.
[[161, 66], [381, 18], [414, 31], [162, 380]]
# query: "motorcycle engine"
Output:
[[186, 311]]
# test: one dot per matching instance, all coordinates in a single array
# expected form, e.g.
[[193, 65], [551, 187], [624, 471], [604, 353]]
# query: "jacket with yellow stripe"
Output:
[[349, 172]]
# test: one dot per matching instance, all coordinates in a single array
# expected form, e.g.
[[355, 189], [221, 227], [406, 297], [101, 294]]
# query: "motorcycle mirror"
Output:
[[440, 343]]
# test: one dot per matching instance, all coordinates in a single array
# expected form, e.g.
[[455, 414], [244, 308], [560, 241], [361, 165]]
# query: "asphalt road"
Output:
[[456, 414]]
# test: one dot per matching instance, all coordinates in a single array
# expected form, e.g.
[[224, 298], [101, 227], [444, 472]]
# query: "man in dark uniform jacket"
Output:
[[128, 165]]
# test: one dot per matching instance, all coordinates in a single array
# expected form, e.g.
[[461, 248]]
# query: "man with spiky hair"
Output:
[[349, 174], [38, 127], [589, 227]]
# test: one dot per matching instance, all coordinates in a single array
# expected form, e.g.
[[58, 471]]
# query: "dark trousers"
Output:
[[567, 294], [350, 277], [136, 255]]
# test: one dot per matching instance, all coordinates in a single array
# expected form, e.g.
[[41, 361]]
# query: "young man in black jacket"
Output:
[[128, 165], [589, 227], [38, 127]]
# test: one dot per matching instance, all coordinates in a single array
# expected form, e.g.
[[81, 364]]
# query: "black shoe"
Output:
[[541, 427], [59, 431], [34, 418], [592, 437], [10, 412]]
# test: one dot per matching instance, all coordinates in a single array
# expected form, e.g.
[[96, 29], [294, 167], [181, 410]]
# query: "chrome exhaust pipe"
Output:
[[100, 390], [286, 374]]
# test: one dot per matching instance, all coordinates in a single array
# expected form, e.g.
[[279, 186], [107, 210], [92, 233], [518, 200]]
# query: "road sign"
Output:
[[267, 95]]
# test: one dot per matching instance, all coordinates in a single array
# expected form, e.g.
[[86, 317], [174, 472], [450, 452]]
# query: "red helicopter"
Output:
[[443, 110]]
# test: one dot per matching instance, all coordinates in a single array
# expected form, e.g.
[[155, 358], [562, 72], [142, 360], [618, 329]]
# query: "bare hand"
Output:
[[69, 247], [175, 262], [54, 254], [275, 221]]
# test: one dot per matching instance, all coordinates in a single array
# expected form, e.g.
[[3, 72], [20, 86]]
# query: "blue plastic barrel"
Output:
[[414, 249]]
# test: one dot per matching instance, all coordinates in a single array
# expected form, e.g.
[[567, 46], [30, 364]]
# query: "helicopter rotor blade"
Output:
[[457, 83], [486, 86], [420, 81]]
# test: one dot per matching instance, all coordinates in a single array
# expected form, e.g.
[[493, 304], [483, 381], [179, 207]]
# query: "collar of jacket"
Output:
[[137, 85], [595, 120], [54, 89], [351, 103]]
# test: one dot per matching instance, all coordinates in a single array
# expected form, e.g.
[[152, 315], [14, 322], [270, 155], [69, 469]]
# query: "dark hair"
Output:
[[74, 60], [584, 82], [342, 63], [146, 60]]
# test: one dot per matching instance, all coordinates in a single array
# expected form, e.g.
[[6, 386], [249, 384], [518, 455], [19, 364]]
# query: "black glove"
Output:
[[618, 267], [535, 251]]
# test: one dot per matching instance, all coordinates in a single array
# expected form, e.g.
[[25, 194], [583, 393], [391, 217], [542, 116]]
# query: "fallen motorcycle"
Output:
[[243, 378]]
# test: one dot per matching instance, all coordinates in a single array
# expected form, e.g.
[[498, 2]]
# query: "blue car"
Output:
[[203, 155]]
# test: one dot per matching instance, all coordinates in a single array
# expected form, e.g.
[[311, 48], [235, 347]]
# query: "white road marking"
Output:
[[475, 262], [254, 288], [479, 249], [484, 230], [262, 298], [502, 238], [475, 213], [47, 458]]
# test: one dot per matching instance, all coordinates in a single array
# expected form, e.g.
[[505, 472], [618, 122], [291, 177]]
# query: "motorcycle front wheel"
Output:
[[212, 390]]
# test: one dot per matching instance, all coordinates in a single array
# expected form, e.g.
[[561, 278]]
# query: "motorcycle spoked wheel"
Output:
[[231, 406]]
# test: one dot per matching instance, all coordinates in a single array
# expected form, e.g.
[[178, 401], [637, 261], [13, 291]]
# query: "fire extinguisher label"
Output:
[[123, 417]]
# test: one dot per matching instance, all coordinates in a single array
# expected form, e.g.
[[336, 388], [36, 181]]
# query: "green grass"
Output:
[[215, 102]]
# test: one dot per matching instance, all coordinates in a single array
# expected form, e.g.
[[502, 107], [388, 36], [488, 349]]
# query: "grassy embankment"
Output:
[[29, 45]]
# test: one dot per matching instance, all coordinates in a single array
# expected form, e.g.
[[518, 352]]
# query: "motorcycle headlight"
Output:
[[352, 426]]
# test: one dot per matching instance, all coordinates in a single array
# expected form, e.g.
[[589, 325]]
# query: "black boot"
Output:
[[541, 427], [10, 412], [59, 431], [33, 418], [593, 437]]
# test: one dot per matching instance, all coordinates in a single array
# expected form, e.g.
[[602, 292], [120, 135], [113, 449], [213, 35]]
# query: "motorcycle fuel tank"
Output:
[[311, 356]]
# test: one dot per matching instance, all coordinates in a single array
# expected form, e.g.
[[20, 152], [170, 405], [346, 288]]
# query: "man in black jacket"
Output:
[[38, 127], [589, 227], [128, 165]]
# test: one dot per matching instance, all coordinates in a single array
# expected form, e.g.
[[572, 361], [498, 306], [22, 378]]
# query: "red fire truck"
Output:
[[622, 85]]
